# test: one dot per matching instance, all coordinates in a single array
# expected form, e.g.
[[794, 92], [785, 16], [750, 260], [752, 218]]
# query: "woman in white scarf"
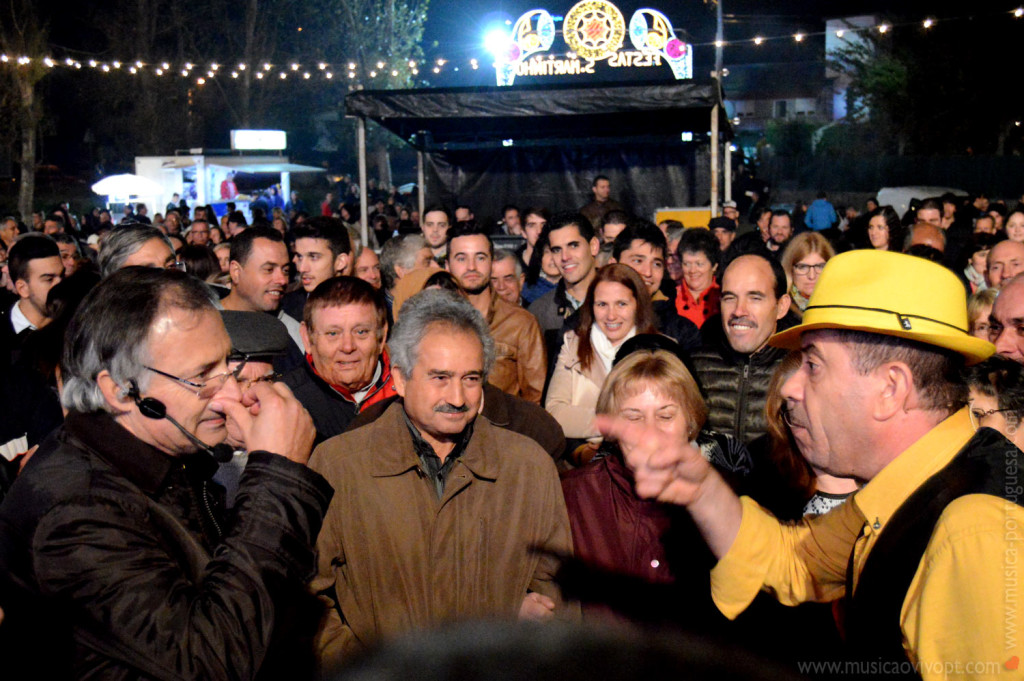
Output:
[[617, 307]]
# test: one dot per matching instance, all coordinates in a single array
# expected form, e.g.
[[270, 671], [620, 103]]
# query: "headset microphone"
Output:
[[152, 408]]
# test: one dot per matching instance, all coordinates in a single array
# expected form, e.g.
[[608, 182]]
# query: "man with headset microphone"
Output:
[[115, 557]]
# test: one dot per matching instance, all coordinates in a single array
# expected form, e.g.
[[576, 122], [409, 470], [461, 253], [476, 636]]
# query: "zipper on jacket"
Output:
[[741, 404]]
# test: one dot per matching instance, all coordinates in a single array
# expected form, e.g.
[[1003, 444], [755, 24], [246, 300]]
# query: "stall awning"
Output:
[[482, 117], [243, 164]]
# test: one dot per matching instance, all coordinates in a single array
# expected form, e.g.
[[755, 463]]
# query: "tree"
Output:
[[383, 40], [23, 33], [935, 90]]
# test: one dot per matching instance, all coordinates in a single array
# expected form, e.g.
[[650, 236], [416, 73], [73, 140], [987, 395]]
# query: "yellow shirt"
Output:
[[963, 616]]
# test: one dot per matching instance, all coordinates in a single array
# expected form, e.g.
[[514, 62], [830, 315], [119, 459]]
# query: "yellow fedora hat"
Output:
[[891, 294]]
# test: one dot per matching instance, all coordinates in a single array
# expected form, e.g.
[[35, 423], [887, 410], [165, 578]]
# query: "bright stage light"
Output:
[[496, 41]]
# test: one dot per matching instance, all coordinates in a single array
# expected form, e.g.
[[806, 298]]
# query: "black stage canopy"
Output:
[[540, 115], [543, 144]]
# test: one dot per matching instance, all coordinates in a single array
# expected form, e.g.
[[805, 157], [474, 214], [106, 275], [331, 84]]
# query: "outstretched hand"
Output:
[[673, 471], [664, 467]]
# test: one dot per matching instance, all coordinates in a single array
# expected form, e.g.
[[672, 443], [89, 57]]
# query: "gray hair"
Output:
[[505, 254], [435, 306], [123, 242], [399, 251], [110, 330]]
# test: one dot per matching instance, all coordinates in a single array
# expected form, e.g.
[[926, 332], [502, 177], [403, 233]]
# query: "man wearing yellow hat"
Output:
[[925, 556]]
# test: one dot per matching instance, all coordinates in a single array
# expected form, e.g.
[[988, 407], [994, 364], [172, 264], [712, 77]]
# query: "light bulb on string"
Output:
[[758, 40], [928, 23]]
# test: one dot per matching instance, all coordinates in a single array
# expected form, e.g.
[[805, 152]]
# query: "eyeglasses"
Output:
[[804, 268], [979, 414], [247, 383], [207, 388], [177, 265]]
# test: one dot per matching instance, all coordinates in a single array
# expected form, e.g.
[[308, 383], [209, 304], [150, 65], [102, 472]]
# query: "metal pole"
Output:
[[364, 210], [421, 182], [714, 160], [727, 173], [719, 39]]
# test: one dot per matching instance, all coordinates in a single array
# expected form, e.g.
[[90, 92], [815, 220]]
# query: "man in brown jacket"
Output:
[[520, 364], [436, 512]]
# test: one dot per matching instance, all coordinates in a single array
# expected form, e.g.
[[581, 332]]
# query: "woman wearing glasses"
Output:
[[804, 260], [997, 397]]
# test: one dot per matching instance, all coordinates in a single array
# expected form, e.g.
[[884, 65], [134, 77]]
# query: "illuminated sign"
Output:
[[264, 140], [593, 30]]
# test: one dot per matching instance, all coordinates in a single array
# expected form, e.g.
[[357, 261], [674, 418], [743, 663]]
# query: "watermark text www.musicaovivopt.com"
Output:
[[940, 670], [1012, 535]]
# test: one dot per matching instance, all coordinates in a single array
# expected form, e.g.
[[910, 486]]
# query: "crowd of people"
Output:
[[235, 449]]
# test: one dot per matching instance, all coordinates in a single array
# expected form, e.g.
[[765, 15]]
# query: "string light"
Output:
[[200, 81], [397, 68]]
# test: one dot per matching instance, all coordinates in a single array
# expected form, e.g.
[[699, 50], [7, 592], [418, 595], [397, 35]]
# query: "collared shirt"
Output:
[[18, 319], [698, 309], [433, 467], [958, 616]]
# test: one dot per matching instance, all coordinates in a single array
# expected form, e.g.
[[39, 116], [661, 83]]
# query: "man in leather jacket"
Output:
[[115, 558]]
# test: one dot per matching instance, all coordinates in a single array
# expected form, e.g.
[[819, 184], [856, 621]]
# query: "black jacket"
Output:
[[734, 385], [115, 564], [330, 411]]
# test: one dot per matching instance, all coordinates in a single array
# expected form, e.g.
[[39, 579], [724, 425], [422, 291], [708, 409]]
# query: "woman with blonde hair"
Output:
[[630, 541], [803, 261]]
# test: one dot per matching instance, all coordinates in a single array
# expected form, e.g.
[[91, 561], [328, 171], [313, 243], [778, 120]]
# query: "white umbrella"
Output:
[[125, 185]]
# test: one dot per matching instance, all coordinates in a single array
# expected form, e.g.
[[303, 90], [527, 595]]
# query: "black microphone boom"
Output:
[[152, 408]]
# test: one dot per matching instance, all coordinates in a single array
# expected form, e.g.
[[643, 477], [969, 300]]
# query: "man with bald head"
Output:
[[1006, 323], [1005, 261], [926, 234]]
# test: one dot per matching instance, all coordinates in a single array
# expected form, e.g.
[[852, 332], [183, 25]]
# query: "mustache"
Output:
[[446, 408], [747, 320]]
